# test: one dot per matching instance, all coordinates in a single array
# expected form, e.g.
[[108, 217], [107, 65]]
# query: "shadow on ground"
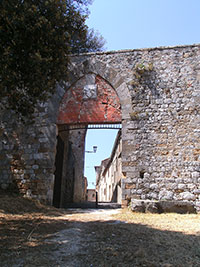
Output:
[[61, 242]]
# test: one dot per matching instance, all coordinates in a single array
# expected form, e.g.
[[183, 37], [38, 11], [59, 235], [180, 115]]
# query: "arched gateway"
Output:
[[153, 92], [89, 100]]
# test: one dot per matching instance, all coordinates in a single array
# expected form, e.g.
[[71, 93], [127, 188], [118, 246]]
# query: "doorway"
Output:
[[102, 169]]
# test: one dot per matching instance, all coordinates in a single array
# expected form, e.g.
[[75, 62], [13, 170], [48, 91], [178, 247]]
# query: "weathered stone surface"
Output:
[[153, 206], [90, 100], [176, 206], [150, 206], [160, 124], [137, 205], [165, 194], [187, 196]]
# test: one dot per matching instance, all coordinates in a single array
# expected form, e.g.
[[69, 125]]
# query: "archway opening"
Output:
[[90, 101], [103, 166]]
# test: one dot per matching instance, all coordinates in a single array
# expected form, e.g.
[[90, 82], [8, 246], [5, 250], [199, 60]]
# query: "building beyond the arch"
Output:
[[109, 175], [159, 95]]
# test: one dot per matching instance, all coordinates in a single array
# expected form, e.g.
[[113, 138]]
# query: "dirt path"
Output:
[[35, 235], [66, 241], [72, 245]]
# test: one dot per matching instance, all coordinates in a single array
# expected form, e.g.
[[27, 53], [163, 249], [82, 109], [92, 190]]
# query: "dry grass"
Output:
[[148, 240], [24, 225], [27, 229], [184, 223]]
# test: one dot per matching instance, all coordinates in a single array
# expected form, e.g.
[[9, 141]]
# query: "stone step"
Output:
[[162, 206]]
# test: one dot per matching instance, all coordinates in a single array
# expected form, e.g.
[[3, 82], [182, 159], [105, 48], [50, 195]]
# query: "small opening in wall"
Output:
[[142, 174]]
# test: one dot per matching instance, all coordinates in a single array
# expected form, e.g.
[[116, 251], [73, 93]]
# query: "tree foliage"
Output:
[[36, 38]]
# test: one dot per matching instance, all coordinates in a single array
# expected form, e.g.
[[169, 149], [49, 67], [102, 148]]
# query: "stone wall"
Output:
[[159, 93], [27, 151], [77, 140], [161, 131], [27, 156]]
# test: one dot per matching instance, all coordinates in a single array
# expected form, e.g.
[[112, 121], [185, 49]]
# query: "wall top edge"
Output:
[[135, 50]]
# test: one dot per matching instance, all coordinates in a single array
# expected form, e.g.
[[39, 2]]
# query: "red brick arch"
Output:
[[90, 100]]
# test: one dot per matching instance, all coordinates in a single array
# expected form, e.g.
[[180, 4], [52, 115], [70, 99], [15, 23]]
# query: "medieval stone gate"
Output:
[[159, 94], [91, 100]]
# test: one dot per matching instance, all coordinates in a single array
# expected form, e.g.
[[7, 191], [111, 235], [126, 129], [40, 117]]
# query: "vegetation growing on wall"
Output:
[[141, 74]]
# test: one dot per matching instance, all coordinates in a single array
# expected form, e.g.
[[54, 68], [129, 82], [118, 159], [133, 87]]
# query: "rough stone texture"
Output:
[[77, 140], [176, 206], [27, 152], [159, 94], [154, 206]]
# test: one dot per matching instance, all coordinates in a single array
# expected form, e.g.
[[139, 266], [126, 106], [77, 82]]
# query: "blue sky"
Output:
[[131, 24]]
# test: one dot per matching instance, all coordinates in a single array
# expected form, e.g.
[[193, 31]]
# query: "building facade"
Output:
[[109, 175], [91, 195]]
